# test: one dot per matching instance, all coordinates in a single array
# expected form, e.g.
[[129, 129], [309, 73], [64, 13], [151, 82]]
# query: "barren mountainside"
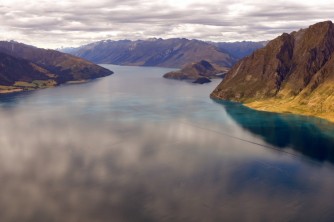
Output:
[[293, 73]]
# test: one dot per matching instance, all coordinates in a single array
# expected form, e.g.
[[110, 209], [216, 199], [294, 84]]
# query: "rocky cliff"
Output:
[[293, 73]]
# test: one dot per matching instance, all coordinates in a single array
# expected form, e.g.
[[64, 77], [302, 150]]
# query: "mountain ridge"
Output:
[[239, 49], [173, 53]]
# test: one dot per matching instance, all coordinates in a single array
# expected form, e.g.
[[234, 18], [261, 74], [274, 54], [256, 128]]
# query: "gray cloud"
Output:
[[53, 24]]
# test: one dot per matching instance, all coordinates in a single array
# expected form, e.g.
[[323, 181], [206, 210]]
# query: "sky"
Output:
[[66, 23]]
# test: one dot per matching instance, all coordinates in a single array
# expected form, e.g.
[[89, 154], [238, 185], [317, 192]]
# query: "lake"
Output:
[[137, 147]]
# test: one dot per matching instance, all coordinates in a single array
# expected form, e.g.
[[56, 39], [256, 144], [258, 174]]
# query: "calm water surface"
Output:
[[137, 147]]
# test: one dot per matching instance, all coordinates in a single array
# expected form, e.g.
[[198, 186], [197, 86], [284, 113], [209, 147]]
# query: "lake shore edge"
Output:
[[280, 107], [15, 89]]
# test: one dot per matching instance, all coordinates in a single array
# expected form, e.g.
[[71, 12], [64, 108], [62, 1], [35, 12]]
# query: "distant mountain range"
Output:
[[175, 53], [239, 50], [293, 73], [25, 67], [198, 72]]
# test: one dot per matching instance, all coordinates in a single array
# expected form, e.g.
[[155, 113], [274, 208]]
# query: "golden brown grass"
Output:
[[21, 86], [290, 106]]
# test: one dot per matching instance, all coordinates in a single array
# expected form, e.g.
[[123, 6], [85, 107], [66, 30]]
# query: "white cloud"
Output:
[[49, 23]]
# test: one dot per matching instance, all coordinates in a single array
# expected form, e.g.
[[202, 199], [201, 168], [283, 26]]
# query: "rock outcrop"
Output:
[[198, 72]]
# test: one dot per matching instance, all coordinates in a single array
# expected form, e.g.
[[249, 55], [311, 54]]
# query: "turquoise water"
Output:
[[137, 147]]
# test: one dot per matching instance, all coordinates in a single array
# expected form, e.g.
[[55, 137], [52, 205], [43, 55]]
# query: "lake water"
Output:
[[136, 147]]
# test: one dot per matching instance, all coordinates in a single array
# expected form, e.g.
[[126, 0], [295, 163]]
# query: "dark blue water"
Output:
[[137, 147]]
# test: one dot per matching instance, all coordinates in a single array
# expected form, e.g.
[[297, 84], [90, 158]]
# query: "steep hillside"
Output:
[[67, 67], [293, 73], [13, 69]]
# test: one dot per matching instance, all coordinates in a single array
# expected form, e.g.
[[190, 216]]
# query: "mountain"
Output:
[[27, 67], [198, 72], [239, 50], [292, 73], [14, 70], [173, 53]]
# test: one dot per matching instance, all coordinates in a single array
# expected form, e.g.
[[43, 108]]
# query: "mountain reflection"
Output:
[[311, 137], [12, 99]]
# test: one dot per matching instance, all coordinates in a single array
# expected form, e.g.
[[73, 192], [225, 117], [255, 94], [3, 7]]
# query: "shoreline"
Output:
[[7, 91], [78, 81], [279, 107], [15, 89], [260, 106]]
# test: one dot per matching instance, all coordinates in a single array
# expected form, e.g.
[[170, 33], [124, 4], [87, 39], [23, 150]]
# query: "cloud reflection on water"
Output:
[[62, 167]]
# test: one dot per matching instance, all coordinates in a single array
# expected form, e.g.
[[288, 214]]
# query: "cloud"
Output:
[[49, 23]]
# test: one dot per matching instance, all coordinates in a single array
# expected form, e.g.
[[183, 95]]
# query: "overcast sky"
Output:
[[56, 23]]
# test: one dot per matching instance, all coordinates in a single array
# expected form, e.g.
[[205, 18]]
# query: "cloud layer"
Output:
[[53, 24]]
